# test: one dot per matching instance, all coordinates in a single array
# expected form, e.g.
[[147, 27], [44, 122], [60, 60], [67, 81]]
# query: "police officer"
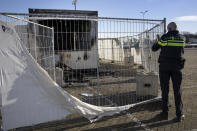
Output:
[[171, 62]]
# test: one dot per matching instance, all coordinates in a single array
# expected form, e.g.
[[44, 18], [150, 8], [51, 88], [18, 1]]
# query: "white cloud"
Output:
[[186, 18]]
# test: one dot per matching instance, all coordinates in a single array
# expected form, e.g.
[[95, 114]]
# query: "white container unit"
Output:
[[75, 36], [111, 49]]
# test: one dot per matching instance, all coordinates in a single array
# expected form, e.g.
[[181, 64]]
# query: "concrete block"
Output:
[[59, 77], [147, 84], [129, 60]]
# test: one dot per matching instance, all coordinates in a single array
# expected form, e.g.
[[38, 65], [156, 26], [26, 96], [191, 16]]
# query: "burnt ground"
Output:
[[116, 90]]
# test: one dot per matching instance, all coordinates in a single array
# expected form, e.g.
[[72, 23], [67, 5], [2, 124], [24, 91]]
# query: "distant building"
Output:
[[190, 38], [193, 40]]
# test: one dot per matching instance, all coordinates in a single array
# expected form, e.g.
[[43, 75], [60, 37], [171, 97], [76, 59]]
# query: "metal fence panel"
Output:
[[98, 59], [38, 40]]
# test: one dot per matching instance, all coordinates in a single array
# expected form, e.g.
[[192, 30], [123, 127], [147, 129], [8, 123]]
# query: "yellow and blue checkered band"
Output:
[[172, 42]]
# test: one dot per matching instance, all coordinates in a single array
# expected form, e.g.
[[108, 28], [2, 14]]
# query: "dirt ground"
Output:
[[144, 117]]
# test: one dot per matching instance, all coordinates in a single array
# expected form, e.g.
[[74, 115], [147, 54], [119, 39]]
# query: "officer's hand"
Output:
[[158, 37]]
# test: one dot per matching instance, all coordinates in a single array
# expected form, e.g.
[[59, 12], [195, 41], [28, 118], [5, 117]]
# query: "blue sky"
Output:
[[184, 12]]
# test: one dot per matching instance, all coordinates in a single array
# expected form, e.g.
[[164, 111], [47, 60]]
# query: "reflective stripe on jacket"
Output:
[[172, 42]]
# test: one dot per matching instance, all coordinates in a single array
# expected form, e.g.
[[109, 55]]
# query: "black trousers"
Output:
[[176, 76]]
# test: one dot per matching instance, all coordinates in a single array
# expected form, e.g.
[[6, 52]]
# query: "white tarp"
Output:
[[28, 95]]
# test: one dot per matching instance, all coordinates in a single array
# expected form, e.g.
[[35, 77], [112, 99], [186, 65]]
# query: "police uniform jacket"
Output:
[[172, 50]]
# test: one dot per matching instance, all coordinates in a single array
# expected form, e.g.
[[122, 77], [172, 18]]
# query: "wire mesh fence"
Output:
[[38, 40], [99, 59], [96, 59], [102, 61], [124, 52]]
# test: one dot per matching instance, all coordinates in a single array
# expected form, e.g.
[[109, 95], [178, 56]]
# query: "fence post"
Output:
[[54, 72], [35, 46], [164, 20]]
